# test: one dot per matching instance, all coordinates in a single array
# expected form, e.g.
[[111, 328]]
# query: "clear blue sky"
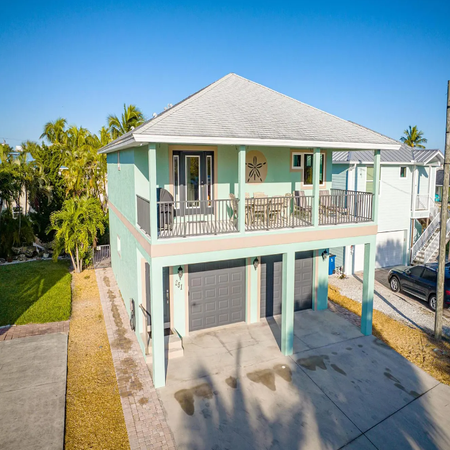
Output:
[[383, 64]]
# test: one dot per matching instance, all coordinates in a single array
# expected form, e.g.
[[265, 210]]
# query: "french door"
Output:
[[193, 179]]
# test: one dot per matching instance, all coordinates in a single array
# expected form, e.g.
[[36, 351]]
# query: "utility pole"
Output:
[[443, 232]]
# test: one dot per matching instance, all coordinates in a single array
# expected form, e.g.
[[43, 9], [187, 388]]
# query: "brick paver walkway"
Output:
[[33, 329], [144, 415]]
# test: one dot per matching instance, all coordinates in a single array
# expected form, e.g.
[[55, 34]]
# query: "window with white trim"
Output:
[[403, 172], [118, 245], [118, 160], [296, 162]]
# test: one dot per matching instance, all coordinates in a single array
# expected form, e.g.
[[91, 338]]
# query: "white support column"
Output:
[[430, 194], [315, 191], [152, 192], [241, 193], [376, 184], [414, 191]]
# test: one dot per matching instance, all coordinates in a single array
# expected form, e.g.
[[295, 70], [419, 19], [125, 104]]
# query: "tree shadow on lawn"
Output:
[[35, 292]]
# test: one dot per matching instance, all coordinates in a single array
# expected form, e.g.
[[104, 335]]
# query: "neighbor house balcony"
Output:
[[179, 219]]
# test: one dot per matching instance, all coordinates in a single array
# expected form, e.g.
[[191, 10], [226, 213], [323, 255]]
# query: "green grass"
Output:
[[35, 292]]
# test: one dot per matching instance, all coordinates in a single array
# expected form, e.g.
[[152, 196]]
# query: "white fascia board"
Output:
[[370, 163], [126, 143], [437, 155], [262, 142]]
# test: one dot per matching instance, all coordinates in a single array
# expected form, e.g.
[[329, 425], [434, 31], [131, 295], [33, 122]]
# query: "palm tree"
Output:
[[76, 227], [55, 132], [413, 137], [131, 118]]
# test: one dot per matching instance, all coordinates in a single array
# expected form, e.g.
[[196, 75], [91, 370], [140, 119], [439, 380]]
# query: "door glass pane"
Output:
[[308, 175], [308, 171], [192, 181], [176, 177], [209, 178]]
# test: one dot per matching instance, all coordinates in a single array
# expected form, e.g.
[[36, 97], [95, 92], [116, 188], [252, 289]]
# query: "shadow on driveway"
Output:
[[233, 389]]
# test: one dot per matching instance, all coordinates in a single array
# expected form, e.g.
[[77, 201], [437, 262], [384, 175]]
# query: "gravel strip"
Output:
[[410, 312]]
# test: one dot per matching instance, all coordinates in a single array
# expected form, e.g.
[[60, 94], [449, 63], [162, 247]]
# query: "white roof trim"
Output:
[[246, 141], [390, 163]]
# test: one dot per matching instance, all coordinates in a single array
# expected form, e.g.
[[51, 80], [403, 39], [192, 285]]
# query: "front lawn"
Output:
[[35, 292]]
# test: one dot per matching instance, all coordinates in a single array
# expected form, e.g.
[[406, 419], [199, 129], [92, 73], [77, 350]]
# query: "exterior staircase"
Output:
[[426, 248]]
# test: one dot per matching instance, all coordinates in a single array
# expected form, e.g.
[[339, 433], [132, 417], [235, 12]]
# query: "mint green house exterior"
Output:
[[222, 209]]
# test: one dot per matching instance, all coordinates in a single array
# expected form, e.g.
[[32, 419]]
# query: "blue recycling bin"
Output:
[[332, 264]]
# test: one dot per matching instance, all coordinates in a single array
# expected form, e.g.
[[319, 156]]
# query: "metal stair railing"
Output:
[[433, 247], [425, 236]]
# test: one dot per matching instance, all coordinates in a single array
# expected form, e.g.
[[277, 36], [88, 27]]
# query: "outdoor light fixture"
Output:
[[256, 263], [325, 255], [180, 272]]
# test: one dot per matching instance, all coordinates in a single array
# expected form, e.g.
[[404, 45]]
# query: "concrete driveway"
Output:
[[233, 389], [33, 392]]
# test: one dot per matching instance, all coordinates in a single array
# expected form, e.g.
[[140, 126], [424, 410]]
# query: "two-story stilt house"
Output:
[[222, 210]]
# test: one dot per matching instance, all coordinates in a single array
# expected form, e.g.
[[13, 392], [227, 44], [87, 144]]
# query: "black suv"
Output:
[[419, 281]]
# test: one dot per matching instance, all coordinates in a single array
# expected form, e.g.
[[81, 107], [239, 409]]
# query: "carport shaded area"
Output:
[[234, 389]]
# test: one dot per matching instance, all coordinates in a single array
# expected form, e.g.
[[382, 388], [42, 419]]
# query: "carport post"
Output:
[[287, 308], [368, 288], [157, 327]]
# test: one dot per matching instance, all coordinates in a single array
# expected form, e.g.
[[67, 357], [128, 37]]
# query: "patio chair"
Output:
[[234, 208], [261, 204], [301, 205], [166, 210]]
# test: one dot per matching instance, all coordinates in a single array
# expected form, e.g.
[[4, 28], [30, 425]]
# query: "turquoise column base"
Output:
[[287, 308], [157, 312], [368, 288]]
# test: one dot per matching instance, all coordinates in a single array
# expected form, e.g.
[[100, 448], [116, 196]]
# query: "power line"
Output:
[[12, 139]]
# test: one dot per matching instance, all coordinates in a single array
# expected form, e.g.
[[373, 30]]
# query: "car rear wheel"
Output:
[[432, 301], [395, 284]]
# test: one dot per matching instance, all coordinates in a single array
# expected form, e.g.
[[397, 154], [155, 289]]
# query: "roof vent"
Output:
[[168, 107], [155, 115]]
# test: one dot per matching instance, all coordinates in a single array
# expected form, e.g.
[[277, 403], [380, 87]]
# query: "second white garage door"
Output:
[[390, 248]]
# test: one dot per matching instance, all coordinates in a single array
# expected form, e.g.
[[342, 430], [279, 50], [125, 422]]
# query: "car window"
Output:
[[416, 271], [429, 275]]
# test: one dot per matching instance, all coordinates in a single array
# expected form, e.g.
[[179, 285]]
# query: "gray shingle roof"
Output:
[[405, 155], [237, 110]]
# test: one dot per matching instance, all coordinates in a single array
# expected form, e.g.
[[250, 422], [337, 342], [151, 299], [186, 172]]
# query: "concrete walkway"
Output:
[[233, 389], [33, 392], [33, 329], [144, 415]]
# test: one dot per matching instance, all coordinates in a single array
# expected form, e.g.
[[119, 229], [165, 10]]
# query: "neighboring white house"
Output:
[[407, 188]]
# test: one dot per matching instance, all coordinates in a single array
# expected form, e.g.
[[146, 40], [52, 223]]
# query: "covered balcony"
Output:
[[262, 212]]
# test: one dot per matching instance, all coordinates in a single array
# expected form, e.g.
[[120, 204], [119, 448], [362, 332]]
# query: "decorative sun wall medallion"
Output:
[[255, 167]]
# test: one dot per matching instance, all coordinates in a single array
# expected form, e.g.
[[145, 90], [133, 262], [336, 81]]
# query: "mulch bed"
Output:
[[94, 416]]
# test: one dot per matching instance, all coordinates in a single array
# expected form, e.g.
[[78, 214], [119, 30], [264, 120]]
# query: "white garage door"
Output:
[[390, 248]]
